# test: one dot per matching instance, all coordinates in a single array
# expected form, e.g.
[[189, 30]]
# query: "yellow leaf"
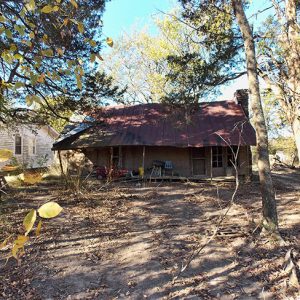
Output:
[[99, 57], [78, 80], [31, 35], [109, 42], [33, 177], [21, 240], [93, 57], [13, 47], [29, 220], [47, 9], [30, 5], [28, 100], [60, 51], [4, 243], [80, 27], [65, 23], [9, 168], [73, 2], [19, 57], [38, 228], [55, 8], [93, 43], [19, 244], [49, 210], [5, 155], [41, 78]]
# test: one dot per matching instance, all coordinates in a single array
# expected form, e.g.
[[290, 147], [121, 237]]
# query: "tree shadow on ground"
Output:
[[129, 242]]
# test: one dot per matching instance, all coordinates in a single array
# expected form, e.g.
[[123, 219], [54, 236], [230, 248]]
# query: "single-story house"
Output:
[[30, 144], [192, 143]]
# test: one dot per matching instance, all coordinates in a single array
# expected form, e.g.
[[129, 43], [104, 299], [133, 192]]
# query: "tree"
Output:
[[270, 220], [199, 74], [49, 50], [279, 51], [216, 31], [160, 67]]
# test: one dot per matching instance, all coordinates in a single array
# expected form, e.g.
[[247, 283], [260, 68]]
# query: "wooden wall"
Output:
[[132, 159]]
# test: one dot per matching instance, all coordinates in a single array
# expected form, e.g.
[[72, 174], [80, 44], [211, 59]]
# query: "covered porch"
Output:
[[157, 162]]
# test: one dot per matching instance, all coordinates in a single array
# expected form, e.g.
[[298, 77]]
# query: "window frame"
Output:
[[33, 146], [230, 156], [20, 146], [217, 157]]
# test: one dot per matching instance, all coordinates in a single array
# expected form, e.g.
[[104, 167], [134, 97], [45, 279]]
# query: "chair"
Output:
[[168, 166]]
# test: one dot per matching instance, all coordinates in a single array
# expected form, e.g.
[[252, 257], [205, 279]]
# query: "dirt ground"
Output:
[[130, 240]]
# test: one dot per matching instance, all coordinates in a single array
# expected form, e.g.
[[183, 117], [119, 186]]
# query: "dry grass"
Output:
[[129, 241]]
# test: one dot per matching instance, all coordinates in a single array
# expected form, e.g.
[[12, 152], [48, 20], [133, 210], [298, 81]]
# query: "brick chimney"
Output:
[[242, 97]]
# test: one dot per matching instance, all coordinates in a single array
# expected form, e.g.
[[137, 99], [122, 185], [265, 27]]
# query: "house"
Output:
[[192, 143], [30, 144]]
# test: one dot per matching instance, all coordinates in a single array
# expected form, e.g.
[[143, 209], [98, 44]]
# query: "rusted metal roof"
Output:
[[212, 123]]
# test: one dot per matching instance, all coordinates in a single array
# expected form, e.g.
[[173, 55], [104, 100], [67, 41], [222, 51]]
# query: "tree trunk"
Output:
[[269, 210], [296, 133]]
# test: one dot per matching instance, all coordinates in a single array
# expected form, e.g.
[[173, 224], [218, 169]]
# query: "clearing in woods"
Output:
[[127, 242]]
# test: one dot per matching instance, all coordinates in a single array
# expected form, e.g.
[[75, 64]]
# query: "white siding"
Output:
[[44, 141]]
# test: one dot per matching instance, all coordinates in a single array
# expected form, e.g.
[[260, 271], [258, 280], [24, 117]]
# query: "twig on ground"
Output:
[[197, 251]]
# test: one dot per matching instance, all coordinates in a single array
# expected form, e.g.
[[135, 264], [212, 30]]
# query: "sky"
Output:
[[122, 15]]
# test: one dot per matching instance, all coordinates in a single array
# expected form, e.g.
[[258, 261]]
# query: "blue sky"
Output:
[[122, 15]]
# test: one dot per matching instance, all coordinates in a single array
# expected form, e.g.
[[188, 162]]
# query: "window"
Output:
[[18, 145], [115, 157], [217, 157], [230, 156]]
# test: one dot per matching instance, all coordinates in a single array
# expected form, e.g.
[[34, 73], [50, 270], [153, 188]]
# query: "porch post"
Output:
[[120, 164], [211, 164], [109, 177], [60, 163], [143, 162]]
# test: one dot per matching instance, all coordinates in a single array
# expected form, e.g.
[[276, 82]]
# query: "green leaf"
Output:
[[29, 221], [49, 210], [47, 9], [8, 33], [47, 52], [19, 84]]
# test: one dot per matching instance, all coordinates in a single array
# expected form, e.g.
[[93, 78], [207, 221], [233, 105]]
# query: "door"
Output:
[[198, 161], [198, 166]]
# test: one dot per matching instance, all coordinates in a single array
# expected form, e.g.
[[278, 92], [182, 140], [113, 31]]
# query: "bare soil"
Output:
[[130, 240]]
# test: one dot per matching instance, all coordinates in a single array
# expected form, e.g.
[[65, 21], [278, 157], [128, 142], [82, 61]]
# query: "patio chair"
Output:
[[168, 167]]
